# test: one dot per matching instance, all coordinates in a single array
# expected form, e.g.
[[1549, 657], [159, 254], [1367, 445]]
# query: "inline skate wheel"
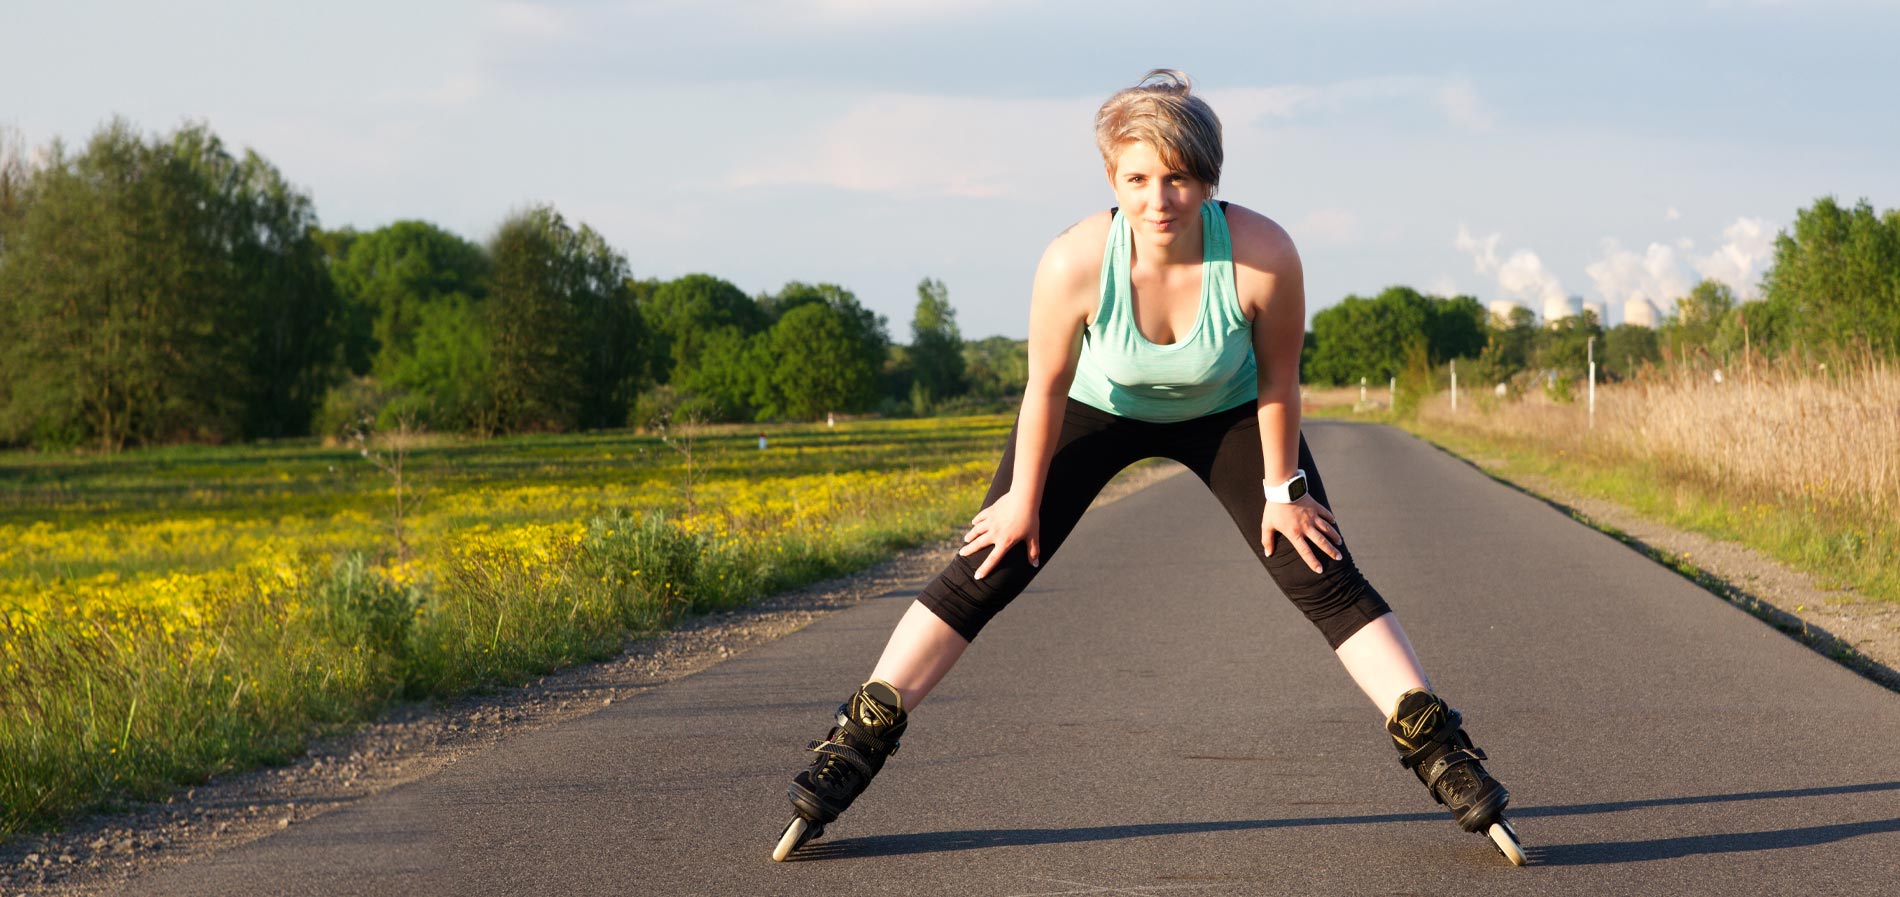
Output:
[[796, 833], [1504, 838]]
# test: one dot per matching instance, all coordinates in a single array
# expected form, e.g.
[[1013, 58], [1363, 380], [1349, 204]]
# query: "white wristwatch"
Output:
[[1288, 492]]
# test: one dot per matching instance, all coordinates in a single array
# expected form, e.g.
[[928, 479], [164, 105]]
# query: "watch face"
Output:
[[1297, 489]]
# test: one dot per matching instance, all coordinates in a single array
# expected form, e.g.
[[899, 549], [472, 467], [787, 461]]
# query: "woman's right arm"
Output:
[[1059, 307]]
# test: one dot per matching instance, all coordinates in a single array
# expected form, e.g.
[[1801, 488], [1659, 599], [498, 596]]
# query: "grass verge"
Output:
[[122, 684]]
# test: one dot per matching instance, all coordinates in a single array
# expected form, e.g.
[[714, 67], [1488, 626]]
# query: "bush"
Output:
[[653, 406], [347, 406]]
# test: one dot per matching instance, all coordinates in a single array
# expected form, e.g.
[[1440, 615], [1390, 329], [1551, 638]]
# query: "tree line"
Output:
[[167, 289], [1834, 283]]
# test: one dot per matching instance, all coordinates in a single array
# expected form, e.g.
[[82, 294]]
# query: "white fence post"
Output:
[[1593, 382], [1454, 386]]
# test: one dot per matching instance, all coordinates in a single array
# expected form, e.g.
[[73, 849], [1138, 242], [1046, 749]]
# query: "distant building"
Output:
[[1641, 312], [1556, 308], [1595, 308], [1501, 312]]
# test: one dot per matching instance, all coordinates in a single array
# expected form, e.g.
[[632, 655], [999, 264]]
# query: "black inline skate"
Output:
[[864, 735], [1431, 743]]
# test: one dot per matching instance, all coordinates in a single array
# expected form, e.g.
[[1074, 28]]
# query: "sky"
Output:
[[1514, 152]]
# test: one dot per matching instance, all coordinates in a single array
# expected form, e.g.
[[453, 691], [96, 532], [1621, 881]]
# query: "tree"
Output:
[[1625, 349], [1700, 318], [387, 277], [446, 374], [683, 312], [162, 290], [1370, 337], [562, 336], [727, 375], [996, 367], [1836, 277], [289, 303], [1565, 346], [936, 348], [1456, 328], [824, 357]]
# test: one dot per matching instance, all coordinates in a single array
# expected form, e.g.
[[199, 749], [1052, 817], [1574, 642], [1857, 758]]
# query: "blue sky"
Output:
[[1607, 151]]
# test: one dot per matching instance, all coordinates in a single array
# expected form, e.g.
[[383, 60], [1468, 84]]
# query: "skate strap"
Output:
[[1444, 764], [1450, 732], [844, 752], [1414, 758], [870, 740]]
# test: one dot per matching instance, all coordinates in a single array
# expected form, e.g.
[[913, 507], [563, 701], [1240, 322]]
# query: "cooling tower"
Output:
[[1640, 312]]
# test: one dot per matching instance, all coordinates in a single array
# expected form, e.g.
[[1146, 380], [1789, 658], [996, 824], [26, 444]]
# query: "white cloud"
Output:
[[1661, 274], [1749, 249], [915, 145], [1522, 276], [881, 12], [455, 90], [1328, 227], [527, 21], [1656, 274], [1484, 252], [1456, 99], [1460, 103]]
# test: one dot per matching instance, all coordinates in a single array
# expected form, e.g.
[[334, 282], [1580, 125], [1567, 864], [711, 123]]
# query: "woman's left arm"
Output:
[[1273, 290]]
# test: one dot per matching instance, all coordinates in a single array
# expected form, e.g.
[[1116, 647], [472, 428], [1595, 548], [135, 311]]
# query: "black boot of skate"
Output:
[[1433, 745], [864, 735]]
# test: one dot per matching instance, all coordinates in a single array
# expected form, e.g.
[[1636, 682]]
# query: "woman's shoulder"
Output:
[[1259, 242], [1076, 253]]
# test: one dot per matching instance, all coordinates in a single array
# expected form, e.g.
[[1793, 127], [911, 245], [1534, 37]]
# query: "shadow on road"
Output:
[[1542, 855], [1674, 848]]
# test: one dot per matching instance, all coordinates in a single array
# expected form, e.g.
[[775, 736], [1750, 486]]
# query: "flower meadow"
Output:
[[172, 614]]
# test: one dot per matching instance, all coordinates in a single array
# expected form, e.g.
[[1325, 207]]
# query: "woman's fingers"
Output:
[[1306, 554], [1328, 538], [996, 554], [972, 542]]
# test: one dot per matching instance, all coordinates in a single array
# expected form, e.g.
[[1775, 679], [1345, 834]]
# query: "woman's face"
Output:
[[1159, 202]]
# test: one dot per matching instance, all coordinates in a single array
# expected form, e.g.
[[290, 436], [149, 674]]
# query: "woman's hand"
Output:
[[1302, 522], [1010, 520]]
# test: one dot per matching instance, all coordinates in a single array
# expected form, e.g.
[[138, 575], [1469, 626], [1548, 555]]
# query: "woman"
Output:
[[1170, 326]]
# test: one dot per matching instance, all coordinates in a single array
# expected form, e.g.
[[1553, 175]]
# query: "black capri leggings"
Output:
[[1223, 449]]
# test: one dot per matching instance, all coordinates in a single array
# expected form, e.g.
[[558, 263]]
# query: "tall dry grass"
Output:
[[1793, 431]]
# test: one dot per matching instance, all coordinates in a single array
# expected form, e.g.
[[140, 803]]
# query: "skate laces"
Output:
[[835, 775]]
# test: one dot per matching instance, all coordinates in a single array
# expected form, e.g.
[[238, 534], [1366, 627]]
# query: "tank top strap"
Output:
[[1220, 292], [1115, 291]]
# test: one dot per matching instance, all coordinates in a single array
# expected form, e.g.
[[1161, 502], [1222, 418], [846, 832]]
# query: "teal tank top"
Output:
[[1209, 369]]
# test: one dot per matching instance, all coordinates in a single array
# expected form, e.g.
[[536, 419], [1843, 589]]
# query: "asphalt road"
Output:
[[1153, 718]]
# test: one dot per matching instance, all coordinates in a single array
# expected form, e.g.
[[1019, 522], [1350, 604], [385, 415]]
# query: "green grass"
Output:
[[96, 710], [1840, 549]]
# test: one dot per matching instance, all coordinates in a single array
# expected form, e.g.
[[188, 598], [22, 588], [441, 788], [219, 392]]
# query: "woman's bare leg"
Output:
[[1380, 659], [921, 650]]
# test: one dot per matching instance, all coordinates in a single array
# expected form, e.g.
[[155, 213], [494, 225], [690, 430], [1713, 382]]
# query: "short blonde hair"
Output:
[[1161, 112]]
